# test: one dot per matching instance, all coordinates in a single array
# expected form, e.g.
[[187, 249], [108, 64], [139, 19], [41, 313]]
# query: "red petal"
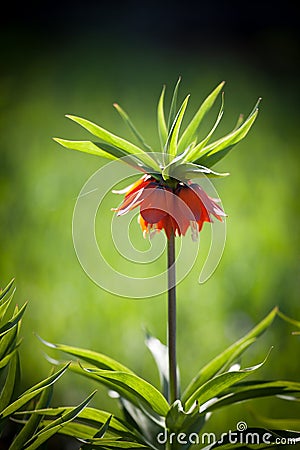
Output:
[[193, 202], [209, 204], [153, 207], [130, 202], [139, 184]]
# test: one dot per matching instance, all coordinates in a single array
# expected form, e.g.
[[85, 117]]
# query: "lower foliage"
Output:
[[147, 420]]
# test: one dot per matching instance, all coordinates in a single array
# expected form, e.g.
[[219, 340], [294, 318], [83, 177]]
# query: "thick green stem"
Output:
[[173, 382], [168, 445]]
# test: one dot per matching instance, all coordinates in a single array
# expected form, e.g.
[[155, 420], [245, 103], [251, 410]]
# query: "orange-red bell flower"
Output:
[[171, 209]]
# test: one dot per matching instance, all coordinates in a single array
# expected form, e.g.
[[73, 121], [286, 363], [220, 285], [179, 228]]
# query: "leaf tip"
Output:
[[48, 344], [70, 116], [60, 141]]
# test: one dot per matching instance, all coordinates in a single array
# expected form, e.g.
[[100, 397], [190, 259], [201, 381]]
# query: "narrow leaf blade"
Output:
[[32, 392], [194, 152], [4, 304], [235, 350], [33, 422], [191, 129], [173, 136], [4, 291], [160, 354], [115, 140], [85, 147], [161, 121], [97, 359], [133, 384], [10, 382], [13, 321], [219, 384], [217, 150], [255, 389], [173, 106], [42, 436], [135, 132]]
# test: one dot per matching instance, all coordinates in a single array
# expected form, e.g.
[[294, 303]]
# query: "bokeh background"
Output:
[[79, 58]]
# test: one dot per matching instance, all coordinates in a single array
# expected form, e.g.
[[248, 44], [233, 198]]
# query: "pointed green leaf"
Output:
[[216, 151], [89, 147], [255, 389], [294, 322], [42, 436], [81, 431], [33, 422], [8, 343], [135, 385], [235, 350], [91, 416], [128, 122], [32, 392], [161, 121], [116, 141], [92, 376], [173, 107], [4, 305], [4, 291], [195, 152], [98, 435], [191, 129], [10, 382], [75, 429], [239, 122], [218, 385], [6, 360], [71, 414], [103, 150], [13, 321], [172, 141], [160, 354], [97, 359], [116, 425], [233, 138]]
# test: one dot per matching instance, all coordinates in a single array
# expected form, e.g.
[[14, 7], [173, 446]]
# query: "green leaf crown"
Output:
[[182, 155]]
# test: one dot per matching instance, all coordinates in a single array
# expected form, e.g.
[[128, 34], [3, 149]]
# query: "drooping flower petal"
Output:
[[153, 208], [210, 204], [173, 210]]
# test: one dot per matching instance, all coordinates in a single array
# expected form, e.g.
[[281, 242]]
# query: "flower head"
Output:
[[167, 197], [172, 209]]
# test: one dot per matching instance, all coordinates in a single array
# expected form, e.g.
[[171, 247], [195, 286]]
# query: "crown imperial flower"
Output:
[[167, 197], [173, 210]]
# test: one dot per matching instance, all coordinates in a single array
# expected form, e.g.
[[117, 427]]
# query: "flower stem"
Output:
[[173, 382]]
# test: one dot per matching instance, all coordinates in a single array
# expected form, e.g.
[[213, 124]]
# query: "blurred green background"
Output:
[[80, 59]]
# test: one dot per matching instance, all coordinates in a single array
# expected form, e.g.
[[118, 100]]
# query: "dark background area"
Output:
[[265, 33]]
